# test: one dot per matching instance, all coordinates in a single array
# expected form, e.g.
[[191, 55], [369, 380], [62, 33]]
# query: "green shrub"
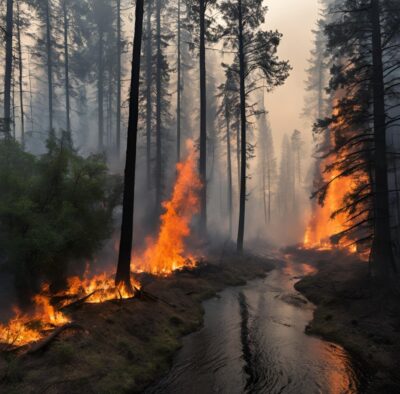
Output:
[[53, 209]]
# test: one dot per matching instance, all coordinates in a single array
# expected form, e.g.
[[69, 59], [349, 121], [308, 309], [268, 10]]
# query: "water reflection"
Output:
[[253, 341]]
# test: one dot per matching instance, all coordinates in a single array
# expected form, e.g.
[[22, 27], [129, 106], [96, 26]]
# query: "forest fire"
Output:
[[167, 253], [97, 289], [322, 226], [23, 329]]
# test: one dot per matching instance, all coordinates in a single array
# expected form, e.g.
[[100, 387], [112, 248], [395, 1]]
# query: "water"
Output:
[[253, 341]]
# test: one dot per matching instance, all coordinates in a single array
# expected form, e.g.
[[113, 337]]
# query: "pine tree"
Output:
[[256, 53]]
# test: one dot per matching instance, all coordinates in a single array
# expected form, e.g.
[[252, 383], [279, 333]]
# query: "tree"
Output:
[[364, 83], [198, 12], [8, 64], [267, 161], [257, 53], [125, 247]]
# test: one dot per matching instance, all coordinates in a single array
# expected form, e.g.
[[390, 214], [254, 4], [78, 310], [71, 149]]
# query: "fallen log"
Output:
[[45, 342], [79, 302], [141, 293]]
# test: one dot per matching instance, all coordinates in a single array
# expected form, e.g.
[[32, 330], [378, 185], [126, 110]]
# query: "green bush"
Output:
[[53, 209]]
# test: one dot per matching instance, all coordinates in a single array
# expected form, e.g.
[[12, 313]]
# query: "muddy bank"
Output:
[[352, 312], [122, 346]]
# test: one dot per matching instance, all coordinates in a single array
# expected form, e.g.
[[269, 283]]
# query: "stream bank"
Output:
[[352, 312], [125, 345]]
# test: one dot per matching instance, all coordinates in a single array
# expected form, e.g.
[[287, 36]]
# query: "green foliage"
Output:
[[53, 209]]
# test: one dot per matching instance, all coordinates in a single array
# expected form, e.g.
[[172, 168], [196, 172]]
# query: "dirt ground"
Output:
[[122, 346], [354, 312]]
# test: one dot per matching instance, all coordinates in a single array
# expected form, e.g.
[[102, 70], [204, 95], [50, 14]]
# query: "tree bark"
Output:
[[382, 253], [119, 52], [100, 91], [21, 77], [8, 65], [179, 89], [49, 65], [149, 58], [229, 168], [243, 175], [203, 122], [125, 247], [66, 68], [158, 112]]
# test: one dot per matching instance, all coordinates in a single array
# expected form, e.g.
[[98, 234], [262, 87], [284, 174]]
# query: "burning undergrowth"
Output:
[[342, 217], [162, 256], [49, 311]]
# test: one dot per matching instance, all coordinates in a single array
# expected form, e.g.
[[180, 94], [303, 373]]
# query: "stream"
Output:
[[253, 341]]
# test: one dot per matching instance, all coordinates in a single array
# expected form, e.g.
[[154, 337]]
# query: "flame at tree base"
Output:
[[162, 256]]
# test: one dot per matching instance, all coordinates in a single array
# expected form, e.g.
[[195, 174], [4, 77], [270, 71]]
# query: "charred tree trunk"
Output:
[[49, 51], [203, 121], [66, 67], [229, 167], [100, 91], [125, 247], [21, 77], [243, 120], [8, 65], [179, 89], [158, 113], [382, 254], [149, 56], [238, 152], [119, 54]]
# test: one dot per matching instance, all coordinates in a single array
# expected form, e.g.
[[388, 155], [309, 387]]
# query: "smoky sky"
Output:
[[295, 19]]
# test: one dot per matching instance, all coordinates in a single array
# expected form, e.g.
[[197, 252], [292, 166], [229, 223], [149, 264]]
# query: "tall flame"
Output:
[[167, 253], [322, 226]]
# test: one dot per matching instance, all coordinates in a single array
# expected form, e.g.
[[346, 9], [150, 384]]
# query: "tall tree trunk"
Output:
[[66, 67], [264, 192], [229, 167], [119, 76], [30, 92], [158, 112], [269, 189], [179, 89], [21, 77], [243, 175], [382, 254], [203, 121], [8, 65], [238, 152], [110, 106], [125, 246], [49, 51], [149, 58], [100, 90]]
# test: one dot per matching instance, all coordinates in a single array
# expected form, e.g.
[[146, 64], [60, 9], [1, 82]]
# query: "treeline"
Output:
[[67, 68], [354, 85]]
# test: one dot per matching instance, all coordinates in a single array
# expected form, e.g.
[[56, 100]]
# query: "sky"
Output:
[[294, 19]]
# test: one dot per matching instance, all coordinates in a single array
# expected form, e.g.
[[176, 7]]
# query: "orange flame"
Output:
[[99, 288], [23, 328], [322, 226], [26, 328], [167, 252]]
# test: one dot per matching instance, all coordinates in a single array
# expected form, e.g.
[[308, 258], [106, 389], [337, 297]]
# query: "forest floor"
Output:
[[122, 346], [354, 313]]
